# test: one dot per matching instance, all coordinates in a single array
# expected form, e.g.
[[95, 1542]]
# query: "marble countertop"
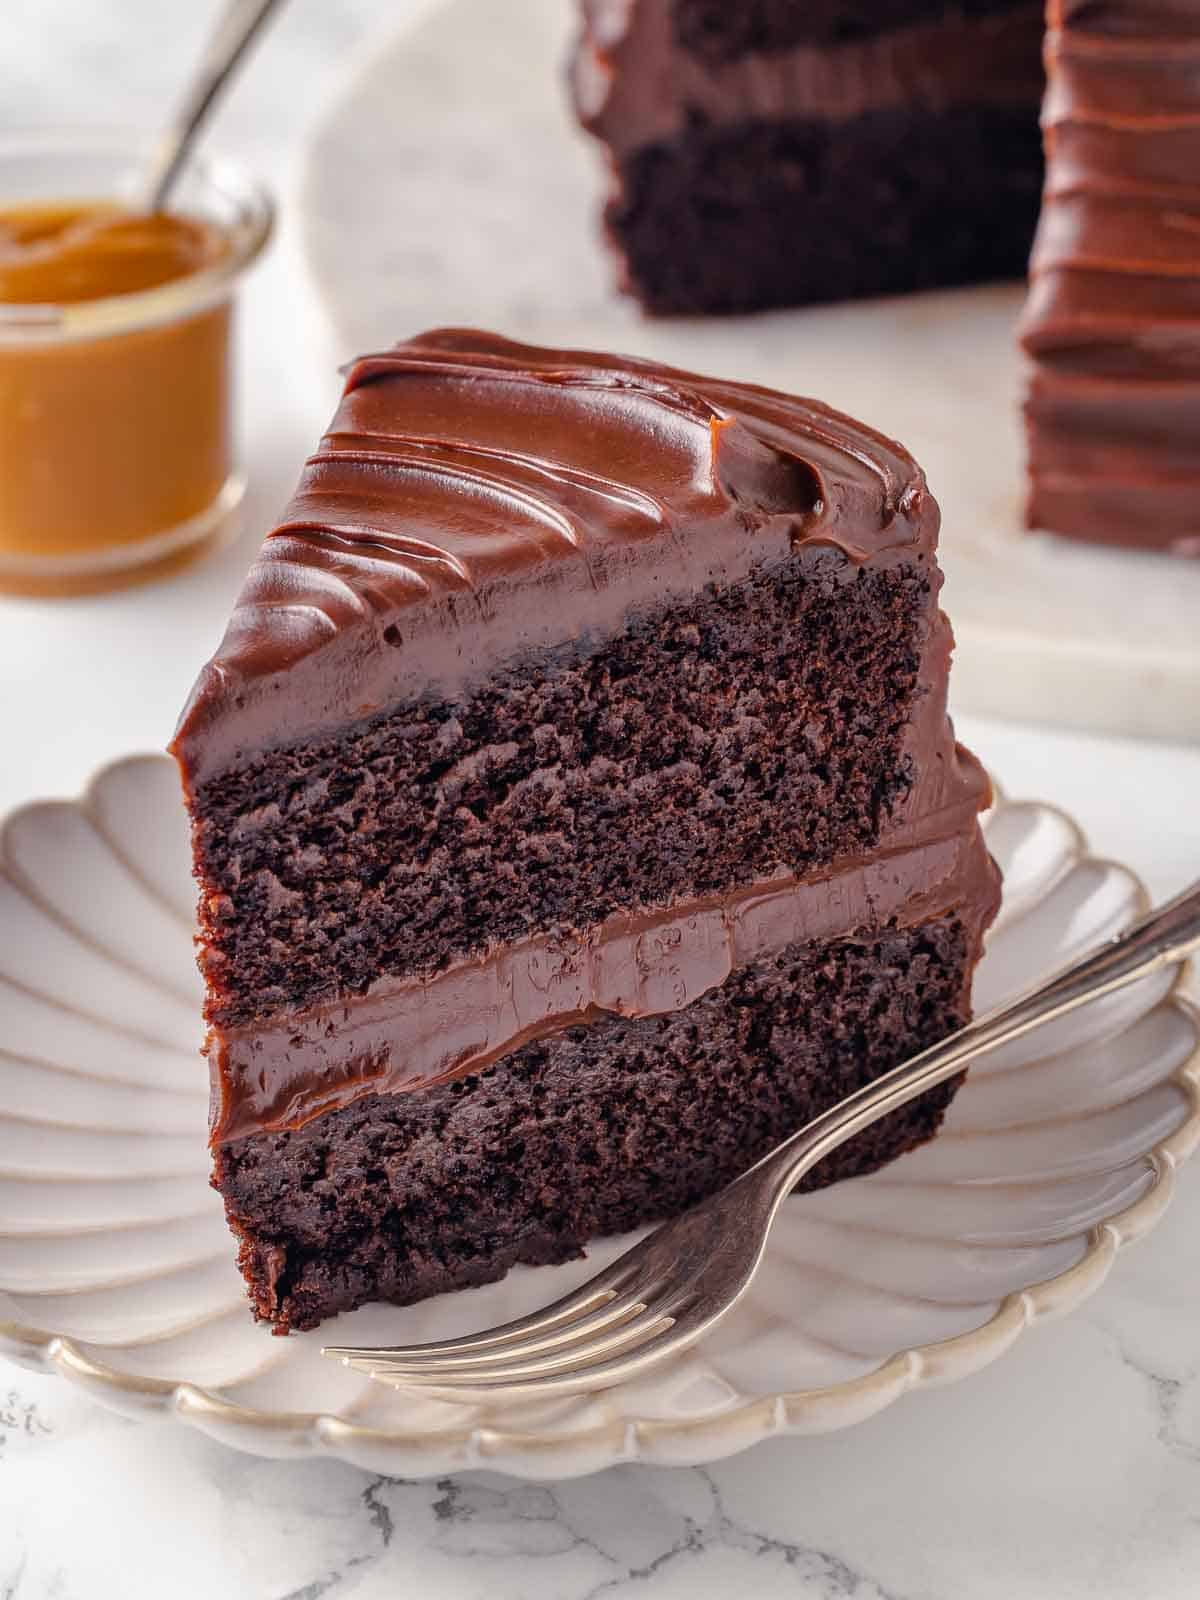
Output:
[[1070, 1468]]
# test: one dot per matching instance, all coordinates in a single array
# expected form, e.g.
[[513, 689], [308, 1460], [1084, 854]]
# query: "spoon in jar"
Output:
[[235, 31]]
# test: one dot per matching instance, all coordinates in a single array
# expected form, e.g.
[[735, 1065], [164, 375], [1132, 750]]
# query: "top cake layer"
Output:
[[475, 500]]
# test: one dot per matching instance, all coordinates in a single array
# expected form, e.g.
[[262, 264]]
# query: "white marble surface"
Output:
[[1071, 1468]]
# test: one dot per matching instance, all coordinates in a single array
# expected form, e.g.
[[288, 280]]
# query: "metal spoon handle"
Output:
[[228, 43], [1164, 937]]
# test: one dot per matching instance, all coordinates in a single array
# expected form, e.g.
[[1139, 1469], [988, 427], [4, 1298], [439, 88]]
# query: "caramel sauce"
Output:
[[63, 254], [116, 438]]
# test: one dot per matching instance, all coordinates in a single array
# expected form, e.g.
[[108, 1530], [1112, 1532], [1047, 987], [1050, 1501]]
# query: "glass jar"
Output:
[[116, 438]]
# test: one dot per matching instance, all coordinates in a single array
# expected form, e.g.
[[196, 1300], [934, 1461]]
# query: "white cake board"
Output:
[[450, 184]]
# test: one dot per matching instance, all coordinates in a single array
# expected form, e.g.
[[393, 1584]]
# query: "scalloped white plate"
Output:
[[116, 1269]]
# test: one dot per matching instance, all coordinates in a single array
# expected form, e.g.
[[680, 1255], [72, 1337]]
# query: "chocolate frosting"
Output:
[[1113, 316], [634, 82], [475, 499]]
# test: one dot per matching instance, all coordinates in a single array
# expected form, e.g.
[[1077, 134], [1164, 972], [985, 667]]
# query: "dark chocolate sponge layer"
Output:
[[719, 31], [774, 213], [590, 1132], [705, 744]]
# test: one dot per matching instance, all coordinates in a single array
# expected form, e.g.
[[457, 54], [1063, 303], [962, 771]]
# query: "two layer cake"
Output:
[[777, 152], [576, 814]]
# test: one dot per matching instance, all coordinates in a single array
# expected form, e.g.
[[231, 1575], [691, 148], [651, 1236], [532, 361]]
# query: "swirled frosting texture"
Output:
[[1113, 317], [475, 499]]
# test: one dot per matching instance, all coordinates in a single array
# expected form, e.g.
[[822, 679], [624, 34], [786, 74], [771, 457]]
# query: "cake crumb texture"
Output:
[[710, 741], [592, 1131]]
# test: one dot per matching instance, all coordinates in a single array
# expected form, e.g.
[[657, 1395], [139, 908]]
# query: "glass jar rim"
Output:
[[247, 234]]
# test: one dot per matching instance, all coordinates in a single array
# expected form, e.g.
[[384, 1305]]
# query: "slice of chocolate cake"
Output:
[[1113, 317], [777, 152], [575, 811]]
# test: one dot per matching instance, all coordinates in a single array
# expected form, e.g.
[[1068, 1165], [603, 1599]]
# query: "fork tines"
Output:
[[593, 1330]]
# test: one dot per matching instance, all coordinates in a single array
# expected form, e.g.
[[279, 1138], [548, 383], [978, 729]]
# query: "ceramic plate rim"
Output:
[[654, 1441]]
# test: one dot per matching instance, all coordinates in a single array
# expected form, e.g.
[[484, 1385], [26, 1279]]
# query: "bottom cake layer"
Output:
[[591, 1131], [760, 214]]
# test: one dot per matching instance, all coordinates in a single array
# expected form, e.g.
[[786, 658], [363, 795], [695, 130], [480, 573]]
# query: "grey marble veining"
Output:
[[1070, 1469]]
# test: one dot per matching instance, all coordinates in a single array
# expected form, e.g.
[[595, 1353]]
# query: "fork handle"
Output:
[[1166, 936]]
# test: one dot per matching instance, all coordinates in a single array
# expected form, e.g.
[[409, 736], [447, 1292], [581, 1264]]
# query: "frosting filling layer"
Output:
[[990, 60], [407, 1034]]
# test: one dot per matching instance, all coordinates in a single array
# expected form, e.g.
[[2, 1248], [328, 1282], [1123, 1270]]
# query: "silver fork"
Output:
[[669, 1289]]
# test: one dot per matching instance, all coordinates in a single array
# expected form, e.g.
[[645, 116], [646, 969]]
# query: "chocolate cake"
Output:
[[785, 151], [777, 152], [1113, 317], [575, 812]]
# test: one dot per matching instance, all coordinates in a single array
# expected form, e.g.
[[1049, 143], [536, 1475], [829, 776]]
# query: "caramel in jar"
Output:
[[115, 437]]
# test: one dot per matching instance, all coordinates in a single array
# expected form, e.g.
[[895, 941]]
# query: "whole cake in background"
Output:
[[575, 812], [1113, 317], [777, 152]]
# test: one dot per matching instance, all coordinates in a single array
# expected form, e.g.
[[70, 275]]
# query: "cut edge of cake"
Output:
[[772, 155]]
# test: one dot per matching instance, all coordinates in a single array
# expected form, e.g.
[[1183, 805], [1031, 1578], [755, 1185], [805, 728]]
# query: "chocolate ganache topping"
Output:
[[1113, 317], [475, 499]]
